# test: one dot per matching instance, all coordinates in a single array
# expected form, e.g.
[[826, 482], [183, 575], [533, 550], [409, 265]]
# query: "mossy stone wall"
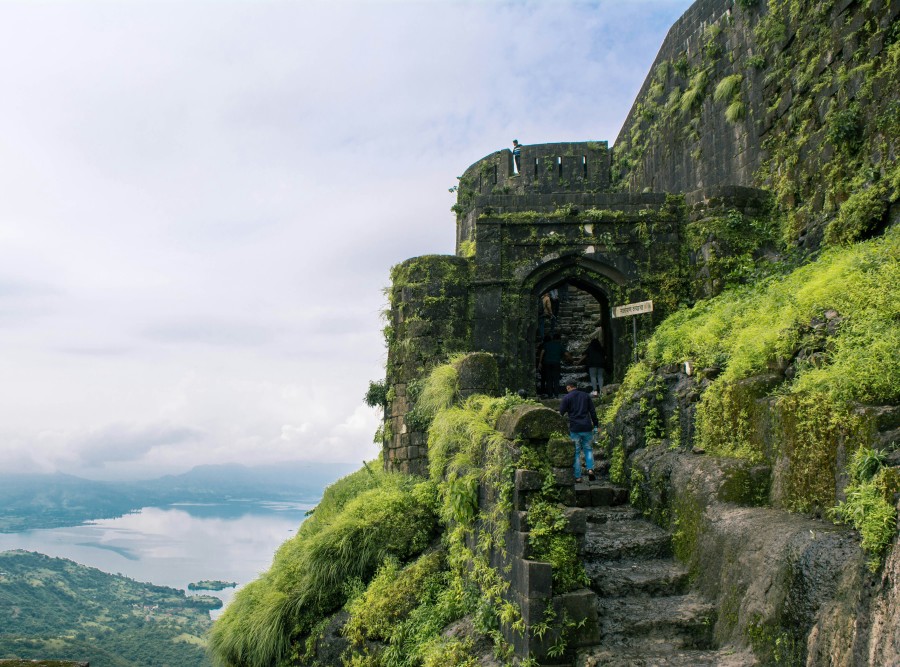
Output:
[[428, 320], [619, 255], [800, 97]]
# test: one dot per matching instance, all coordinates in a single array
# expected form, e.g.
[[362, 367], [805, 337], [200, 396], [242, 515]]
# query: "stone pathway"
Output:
[[647, 615]]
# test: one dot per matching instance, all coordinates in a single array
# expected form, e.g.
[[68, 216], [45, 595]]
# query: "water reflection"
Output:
[[174, 546]]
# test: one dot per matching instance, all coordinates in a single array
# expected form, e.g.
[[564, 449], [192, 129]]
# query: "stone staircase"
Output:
[[646, 613], [577, 317]]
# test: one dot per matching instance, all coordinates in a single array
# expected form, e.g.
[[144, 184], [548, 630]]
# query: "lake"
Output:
[[178, 544]]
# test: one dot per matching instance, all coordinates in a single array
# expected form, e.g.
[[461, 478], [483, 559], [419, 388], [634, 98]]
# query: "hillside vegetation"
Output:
[[52, 608], [797, 366], [388, 561], [787, 370]]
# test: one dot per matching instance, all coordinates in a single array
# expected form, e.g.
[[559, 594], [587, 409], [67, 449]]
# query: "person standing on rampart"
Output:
[[517, 155], [583, 424]]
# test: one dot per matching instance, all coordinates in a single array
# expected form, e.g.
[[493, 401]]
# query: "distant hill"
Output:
[[52, 501], [283, 480], [52, 608]]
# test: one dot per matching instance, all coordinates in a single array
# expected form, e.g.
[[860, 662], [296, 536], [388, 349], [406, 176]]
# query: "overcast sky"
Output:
[[200, 203]]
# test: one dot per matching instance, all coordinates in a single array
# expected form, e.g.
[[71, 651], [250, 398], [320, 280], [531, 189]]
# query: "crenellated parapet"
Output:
[[548, 175]]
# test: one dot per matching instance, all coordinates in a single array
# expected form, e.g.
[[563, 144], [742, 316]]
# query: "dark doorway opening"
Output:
[[578, 314]]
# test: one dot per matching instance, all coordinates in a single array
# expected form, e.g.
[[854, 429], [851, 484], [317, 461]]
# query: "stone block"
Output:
[[580, 606], [608, 495], [564, 476], [399, 406], [518, 520], [560, 452], [521, 500], [533, 610], [517, 544], [576, 520], [528, 480], [533, 578], [477, 374], [531, 422], [567, 496]]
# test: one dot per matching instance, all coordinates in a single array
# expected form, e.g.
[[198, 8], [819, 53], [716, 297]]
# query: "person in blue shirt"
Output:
[[583, 424]]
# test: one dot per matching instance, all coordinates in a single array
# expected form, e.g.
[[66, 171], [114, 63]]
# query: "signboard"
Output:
[[633, 309]]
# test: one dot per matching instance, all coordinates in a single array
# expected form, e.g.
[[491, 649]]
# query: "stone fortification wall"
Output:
[[530, 580], [797, 97], [499, 535], [428, 320], [656, 155], [604, 252]]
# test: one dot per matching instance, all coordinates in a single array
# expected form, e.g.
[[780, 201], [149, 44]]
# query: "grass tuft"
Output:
[[728, 87]]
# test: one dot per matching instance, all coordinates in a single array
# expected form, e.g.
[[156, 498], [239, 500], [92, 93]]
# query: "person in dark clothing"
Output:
[[551, 363], [541, 367], [583, 424], [595, 357]]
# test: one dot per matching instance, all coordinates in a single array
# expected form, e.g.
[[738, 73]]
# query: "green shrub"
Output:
[[724, 425], [843, 126], [858, 216], [617, 465], [746, 328], [390, 597], [550, 543], [756, 61], [812, 426], [693, 96], [363, 520], [439, 390], [377, 394], [749, 330], [450, 652], [870, 506]]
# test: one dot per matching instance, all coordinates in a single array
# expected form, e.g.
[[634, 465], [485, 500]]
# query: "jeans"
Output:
[[596, 378], [582, 443]]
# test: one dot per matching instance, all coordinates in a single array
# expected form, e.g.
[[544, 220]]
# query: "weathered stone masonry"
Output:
[[519, 235]]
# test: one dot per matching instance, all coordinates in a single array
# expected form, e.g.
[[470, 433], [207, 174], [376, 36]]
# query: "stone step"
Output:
[[600, 493], [685, 621], [624, 578], [618, 540], [660, 654], [614, 513]]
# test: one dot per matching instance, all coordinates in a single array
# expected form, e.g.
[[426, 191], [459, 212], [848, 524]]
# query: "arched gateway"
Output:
[[552, 224]]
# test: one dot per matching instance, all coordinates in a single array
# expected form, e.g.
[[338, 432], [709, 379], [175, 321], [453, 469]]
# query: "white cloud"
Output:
[[202, 202]]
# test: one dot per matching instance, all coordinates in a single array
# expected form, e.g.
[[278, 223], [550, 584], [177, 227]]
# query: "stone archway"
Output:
[[579, 309], [592, 288]]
